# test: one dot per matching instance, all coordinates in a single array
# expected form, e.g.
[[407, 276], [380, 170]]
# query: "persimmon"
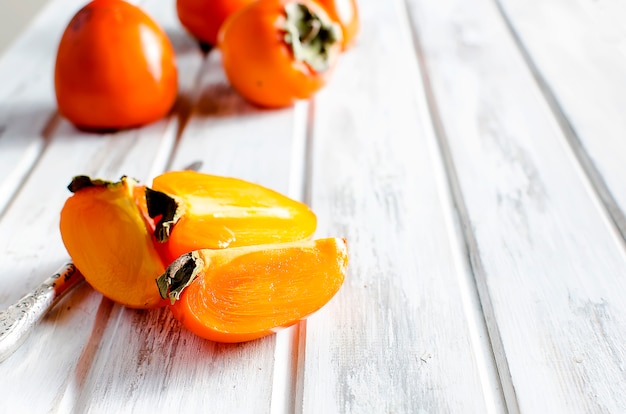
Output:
[[346, 13], [198, 211], [105, 234], [115, 68], [275, 52], [244, 293], [109, 228], [203, 18]]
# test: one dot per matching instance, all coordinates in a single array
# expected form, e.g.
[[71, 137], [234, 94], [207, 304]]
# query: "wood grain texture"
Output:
[[470, 152], [405, 332], [51, 371], [548, 262], [51, 361], [150, 359], [580, 66], [27, 106]]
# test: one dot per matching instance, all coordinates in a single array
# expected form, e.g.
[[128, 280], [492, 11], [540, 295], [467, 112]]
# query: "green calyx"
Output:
[[179, 275], [310, 35], [162, 205]]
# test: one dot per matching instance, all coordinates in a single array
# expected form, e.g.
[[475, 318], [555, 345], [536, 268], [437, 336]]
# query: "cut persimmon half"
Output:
[[244, 293], [200, 211], [104, 232]]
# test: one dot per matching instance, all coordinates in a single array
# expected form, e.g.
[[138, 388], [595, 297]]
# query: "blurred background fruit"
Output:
[[203, 18], [115, 68], [275, 52]]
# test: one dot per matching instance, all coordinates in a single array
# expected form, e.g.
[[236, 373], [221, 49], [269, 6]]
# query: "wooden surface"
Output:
[[472, 153]]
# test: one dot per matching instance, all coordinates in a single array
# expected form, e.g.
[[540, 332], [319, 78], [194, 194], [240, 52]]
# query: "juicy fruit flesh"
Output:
[[232, 295], [203, 207], [192, 233], [246, 293], [220, 212]]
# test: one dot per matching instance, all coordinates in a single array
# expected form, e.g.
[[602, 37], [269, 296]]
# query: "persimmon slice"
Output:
[[202, 211], [104, 232], [244, 293]]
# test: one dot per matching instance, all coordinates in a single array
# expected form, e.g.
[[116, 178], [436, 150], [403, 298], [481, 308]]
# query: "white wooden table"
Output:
[[473, 153]]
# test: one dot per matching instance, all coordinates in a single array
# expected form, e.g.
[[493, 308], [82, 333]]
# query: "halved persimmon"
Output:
[[244, 293], [104, 232], [200, 211]]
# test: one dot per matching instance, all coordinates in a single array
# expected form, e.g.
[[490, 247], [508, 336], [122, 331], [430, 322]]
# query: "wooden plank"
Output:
[[65, 342], [149, 359], [51, 369], [580, 65], [27, 106], [405, 333], [548, 263]]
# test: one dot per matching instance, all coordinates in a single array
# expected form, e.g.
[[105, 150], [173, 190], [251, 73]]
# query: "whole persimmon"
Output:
[[203, 18], [115, 68], [275, 52]]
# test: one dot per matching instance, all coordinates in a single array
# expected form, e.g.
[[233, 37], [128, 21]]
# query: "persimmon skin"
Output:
[[115, 68], [250, 292], [104, 232], [346, 13], [204, 18], [220, 212], [260, 65]]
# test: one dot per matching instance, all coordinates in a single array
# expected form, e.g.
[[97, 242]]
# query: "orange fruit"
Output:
[[203, 18], [104, 232], [200, 211], [108, 228], [115, 68], [244, 293], [276, 52]]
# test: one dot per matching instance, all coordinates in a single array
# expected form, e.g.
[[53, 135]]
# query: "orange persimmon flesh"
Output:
[[214, 212], [244, 293], [104, 232]]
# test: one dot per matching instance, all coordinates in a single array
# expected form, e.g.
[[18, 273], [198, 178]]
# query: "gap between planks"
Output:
[[493, 370], [289, 348], [614, 216], [13, 183], [10, 185]]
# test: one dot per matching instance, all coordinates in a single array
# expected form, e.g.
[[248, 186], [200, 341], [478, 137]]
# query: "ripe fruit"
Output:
[[115, 68], [107, 229], [200, 211], [275, 52], [244, 293], [104, 232], [203, 18]]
